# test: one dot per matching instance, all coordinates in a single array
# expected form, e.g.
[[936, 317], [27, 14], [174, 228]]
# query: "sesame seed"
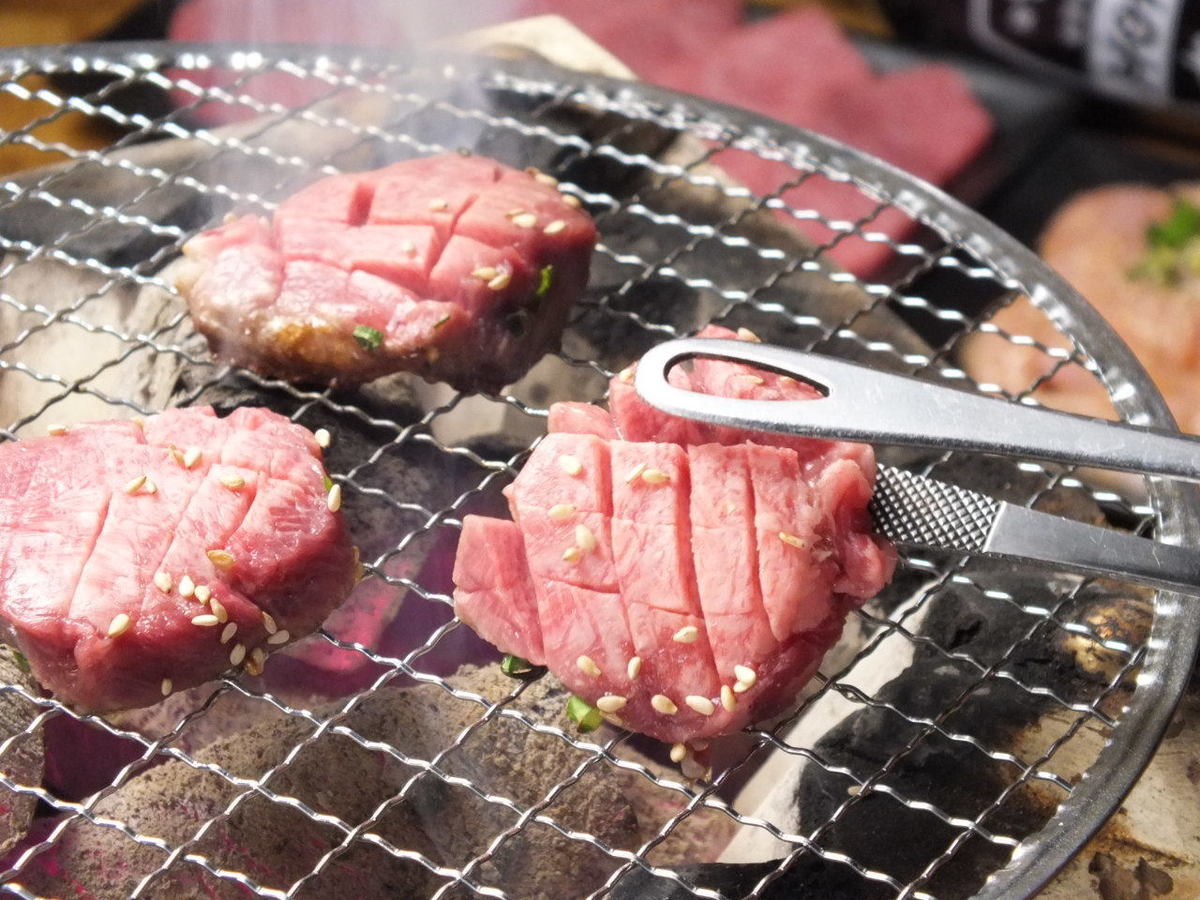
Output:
[[687, 634], [626, 374], [745, 334], [334, 500], [191, 456], [323, 437], [792, 540], [753, 379], [279, 637], [408, 247], [232, 480], [635, 473], [560, 512], [678, 753], [745, 674], [555, 227], [691, 769], [740, 687], [611, 703], [655, 476], [237, 654], [167, 687], [438, 205], [515, 211], [205, 620], [228, 632], [219, 610], [135, 484], [162, 581], [187, 587], [634, 668], [222, 558], [525, 220], [149, 487], [119, 625], [253, 666], [259, 656], [56, 430], [584, 539], [500, 281], [545, 179], [572, 200], [571, 555], [175, 453], [728, 700], [664, 704], [203, 593], [570, 464], [702, 705], [588, 666], [269, 622], [486, 273]]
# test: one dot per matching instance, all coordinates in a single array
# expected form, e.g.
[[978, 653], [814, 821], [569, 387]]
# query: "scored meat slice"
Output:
[[795, 566], [140, 559], [725, 553], [495, 593], [454, 267], [581, 418], [562, 501], [651, 535], [686, 586]]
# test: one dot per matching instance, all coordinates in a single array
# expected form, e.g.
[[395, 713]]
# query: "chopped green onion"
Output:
[[515, 665], [328, 483], [583, 714], [1177, 229], [1172, 247], [370, 338], [545, 280]]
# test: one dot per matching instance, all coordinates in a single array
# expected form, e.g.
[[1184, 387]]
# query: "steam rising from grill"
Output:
[[929, 747]]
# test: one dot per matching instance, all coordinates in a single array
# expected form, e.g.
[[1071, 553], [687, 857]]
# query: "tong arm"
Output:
[[868, 405]]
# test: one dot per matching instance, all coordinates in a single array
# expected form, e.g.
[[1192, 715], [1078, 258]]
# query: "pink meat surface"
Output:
[[669, 563], [96, 521], [495, 593], [454, 267]]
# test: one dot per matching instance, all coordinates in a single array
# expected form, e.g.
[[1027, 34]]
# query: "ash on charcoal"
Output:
[[22, 762], [334, 774]]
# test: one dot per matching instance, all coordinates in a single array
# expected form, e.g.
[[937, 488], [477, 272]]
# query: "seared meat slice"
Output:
[[454, 267], [688, 582], [138, 559]]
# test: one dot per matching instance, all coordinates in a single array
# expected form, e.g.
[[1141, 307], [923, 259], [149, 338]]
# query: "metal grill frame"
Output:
[[1168, 657]]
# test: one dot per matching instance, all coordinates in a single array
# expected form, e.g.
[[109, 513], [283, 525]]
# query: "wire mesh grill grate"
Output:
[[964, 705]]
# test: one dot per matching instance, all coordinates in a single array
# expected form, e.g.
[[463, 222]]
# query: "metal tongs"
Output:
[[864, 404]]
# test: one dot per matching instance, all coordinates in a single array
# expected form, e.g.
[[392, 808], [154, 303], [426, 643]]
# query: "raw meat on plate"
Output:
[[685, 579], [1109, 243], [454, 267], [137, 559]]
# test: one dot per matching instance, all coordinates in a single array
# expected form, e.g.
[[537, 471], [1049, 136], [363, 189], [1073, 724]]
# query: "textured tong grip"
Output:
[[865, 404]]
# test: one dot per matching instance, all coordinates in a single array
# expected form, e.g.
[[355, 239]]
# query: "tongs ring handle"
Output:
[[865, 404]]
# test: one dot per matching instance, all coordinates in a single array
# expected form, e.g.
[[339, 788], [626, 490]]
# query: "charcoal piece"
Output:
[[23, 760], [806, 877], [333, 774]]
